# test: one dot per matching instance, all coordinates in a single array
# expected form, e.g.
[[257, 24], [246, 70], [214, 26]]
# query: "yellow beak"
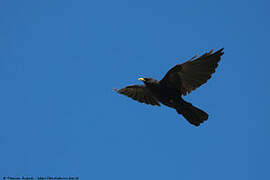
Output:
[[141, 79]]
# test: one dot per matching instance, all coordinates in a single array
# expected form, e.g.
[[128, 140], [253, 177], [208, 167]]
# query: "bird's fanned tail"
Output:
[[192, 114]]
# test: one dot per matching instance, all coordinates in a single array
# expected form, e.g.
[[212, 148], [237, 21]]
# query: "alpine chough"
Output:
[[179, 80]]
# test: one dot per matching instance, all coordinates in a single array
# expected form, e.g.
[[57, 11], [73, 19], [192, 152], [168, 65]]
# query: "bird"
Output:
[[179, 81]]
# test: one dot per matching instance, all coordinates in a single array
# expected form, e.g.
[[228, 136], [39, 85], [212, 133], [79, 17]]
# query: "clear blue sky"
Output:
[[60, 60]]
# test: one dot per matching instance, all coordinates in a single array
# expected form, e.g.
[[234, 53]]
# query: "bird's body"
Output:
[[167, 96], [180, 80]]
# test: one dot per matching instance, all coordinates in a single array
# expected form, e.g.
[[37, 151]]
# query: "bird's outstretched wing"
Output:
[[193, 73], [139, 93]]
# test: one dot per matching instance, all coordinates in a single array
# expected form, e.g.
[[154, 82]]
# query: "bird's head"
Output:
[[148, 81]]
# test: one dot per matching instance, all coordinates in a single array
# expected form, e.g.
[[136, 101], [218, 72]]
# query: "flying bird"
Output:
[[178, 81]]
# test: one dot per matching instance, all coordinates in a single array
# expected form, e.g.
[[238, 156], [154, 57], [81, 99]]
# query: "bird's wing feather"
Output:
[[193, 73], [139, 93]]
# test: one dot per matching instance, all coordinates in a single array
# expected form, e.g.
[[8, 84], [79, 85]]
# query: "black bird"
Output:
[[180, 80]]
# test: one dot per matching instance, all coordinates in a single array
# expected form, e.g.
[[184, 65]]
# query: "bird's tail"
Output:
[[193, 114]]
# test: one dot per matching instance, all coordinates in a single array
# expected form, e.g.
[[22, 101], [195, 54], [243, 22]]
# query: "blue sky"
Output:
[[60, 60]]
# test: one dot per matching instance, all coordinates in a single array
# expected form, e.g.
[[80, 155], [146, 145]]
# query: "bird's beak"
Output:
[[141, 79]]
